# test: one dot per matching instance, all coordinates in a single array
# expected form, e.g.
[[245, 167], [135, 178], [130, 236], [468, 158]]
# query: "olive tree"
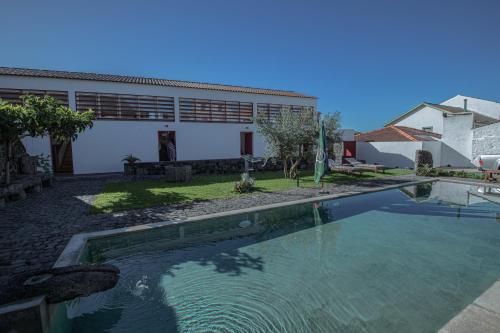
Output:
[[290, 132], [36, 117], [287, 134]]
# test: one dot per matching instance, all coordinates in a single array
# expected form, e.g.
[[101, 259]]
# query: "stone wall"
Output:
[[22, 162], [486, 140], [199, 167]]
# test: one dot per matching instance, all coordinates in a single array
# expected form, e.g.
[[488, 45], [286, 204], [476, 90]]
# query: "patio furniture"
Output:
[[342, 168], [366, 166], [489, 175]]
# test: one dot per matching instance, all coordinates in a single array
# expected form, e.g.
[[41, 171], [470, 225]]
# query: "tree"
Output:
[[36, 117], [332, 125], [287, 134]]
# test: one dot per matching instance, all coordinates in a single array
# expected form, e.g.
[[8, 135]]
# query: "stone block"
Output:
[[177, 173]]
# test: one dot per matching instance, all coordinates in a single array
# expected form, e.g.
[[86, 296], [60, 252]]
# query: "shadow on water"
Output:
[[232, 262]]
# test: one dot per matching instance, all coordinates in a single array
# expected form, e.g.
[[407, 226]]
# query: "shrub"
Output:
[[426, 170], [43, 162], [423, 157], [245, 185], [131, 159]]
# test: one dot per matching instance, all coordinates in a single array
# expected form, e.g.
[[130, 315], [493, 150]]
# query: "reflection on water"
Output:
[[404, 260], [453, 193]]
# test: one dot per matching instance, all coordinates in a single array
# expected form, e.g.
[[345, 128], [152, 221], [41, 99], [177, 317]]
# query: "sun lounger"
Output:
[[365, 166], [335, 167]]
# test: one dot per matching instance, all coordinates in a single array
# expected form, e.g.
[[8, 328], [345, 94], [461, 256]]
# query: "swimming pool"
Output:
[[401, 260]]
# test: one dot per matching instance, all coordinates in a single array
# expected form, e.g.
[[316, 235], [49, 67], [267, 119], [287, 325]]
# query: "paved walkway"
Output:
[[33, 232]]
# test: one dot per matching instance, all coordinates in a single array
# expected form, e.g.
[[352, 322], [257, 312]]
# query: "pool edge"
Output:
[[76, 244]]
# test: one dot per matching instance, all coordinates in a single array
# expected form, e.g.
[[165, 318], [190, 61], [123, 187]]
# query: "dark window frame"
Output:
[[126, 106], [215, 111]]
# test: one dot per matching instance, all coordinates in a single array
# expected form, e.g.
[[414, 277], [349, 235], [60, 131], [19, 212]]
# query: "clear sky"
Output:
[[370, 60]]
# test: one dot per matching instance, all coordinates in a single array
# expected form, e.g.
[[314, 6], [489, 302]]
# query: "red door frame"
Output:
[[350, 149], [248, 137]]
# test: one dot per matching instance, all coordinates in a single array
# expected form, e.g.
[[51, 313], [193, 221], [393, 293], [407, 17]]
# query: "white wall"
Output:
[[487, 108], [347, 134], [38, 146], [425, 117], [391, 154], [457, 141], [101, 148], [400, 154], [435, 148]]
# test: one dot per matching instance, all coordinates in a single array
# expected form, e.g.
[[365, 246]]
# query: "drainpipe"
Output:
[[465, 104]]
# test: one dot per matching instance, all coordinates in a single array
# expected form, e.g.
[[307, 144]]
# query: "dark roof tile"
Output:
[[145, 80], [396, 134]]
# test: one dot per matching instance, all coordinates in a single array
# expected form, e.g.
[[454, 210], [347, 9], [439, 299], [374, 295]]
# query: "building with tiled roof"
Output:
[[150, 118], [455, 131], [397, 134], [41, 73]]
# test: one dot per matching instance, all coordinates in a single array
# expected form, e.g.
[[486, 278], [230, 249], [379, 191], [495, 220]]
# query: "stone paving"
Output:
[[34, 231]]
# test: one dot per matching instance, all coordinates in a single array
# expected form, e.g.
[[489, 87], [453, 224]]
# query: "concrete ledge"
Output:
[[25, 316], [482, 316], [475, 182]]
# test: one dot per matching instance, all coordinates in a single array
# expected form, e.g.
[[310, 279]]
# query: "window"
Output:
[[205, 110], [14, 95], [122, 106], [270, 111], [427, 129]]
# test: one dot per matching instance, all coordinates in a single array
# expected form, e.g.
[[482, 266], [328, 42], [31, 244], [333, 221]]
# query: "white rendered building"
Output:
[[140, 116], [454, 131]]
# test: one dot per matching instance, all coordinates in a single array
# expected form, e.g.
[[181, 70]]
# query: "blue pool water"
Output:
[[403, 260]]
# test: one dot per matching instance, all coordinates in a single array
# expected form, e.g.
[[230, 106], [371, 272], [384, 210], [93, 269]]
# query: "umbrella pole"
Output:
[[322, 191]]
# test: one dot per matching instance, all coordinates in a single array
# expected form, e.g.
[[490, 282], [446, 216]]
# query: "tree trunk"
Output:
[[7, 162], [294, 167], [285, 168]]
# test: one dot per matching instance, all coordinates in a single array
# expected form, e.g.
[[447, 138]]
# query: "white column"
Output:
[[176, 109], [72, 99]]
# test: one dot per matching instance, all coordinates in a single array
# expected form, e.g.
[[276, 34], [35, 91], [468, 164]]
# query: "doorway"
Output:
[[167, 146], [62, 156], [246, 143]]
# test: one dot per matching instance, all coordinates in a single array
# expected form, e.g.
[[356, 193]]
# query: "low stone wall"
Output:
[[22, 163], [198, 167], [22, 185]]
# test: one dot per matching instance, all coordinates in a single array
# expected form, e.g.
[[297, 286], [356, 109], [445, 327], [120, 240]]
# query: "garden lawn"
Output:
[[148, 193]]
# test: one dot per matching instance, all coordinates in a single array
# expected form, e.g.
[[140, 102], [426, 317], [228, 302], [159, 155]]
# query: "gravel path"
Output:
[[34, 231]]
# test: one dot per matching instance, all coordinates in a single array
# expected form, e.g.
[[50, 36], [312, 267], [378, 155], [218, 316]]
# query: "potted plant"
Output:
[[131, 159]]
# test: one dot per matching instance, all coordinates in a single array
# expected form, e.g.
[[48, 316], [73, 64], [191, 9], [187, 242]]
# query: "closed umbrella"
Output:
[[321, 164]]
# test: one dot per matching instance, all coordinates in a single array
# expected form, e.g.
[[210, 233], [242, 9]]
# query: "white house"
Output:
[[459, 129], [140, 116], [153, 119]]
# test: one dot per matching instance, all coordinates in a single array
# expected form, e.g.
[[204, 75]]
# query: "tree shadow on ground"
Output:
[[138, 198]]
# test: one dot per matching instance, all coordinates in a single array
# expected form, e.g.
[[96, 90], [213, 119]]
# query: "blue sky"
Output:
[[370, 60]]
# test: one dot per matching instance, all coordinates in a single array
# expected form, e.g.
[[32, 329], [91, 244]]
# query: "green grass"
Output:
[[148, 193]]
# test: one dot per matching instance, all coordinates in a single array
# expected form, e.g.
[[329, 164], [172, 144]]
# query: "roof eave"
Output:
[[404, 115], [66, 75]]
